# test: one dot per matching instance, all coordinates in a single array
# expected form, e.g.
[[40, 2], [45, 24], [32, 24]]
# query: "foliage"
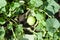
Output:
[[44, 11]]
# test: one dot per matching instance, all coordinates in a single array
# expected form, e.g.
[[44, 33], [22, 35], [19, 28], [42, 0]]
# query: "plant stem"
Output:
[[13, 34]]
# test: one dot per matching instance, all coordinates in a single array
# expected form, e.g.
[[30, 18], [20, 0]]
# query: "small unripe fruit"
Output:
[[31, 20]]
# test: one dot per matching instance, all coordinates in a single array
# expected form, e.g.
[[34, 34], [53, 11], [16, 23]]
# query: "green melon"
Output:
[[31, 20]]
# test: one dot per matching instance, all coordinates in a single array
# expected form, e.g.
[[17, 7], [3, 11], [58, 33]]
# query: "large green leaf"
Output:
[[2, 3], [52, 7], [53, 22]]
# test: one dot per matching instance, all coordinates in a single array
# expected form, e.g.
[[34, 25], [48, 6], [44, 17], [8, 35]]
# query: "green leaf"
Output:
[[10, 26], [52, 6], [2, 3], [14, 5], [50, 33], [3, 9], [2, 21], [39, 27], [19, 28], [33, 12], [36, 3], [58, 33], [52, 24], [55, 37], [50, 10], [29, 37], [43, 23], [40, 16], [19, 31], [39, 36], [2, 33]]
